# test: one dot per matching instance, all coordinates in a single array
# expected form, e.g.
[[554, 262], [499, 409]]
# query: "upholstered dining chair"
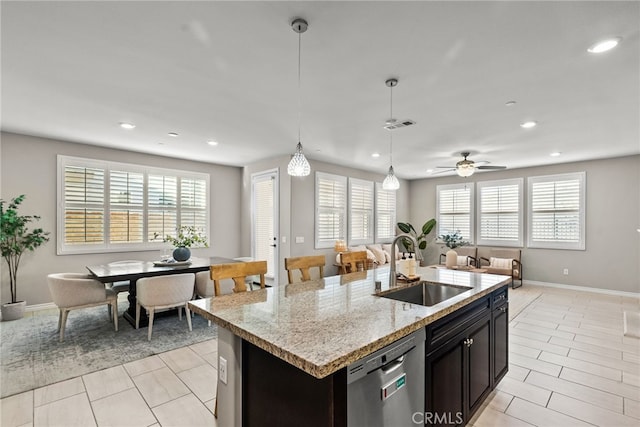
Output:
[[238, 271], [304, 264], [122, 286], [71, 291], [159, 292], [351, 260]]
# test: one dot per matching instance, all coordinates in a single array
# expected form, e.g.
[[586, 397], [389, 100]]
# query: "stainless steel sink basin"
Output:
[[425, 293]]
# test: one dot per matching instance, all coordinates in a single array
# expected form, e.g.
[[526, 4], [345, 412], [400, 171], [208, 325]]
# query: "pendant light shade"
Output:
[[391, 181], [299, 165]]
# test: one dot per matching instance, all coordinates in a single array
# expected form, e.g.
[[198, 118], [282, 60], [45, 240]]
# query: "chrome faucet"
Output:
[[392, 267]]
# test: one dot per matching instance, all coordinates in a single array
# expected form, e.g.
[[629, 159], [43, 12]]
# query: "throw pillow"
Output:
[[462, 260], [501, 262], [378, 253]]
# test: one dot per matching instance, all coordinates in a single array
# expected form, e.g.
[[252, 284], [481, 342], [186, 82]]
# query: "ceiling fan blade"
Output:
[[491, 167], [448, 170], [445, 167]]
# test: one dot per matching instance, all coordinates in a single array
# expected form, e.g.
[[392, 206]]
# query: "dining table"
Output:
[[134, 270]]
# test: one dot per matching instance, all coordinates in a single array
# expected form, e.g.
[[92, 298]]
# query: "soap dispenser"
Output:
[[411, 265]]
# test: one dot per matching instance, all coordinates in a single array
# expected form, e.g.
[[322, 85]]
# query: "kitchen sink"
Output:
[[425, 293]]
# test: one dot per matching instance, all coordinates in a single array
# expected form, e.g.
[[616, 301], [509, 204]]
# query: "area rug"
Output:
[[632, 324], [31, 355]]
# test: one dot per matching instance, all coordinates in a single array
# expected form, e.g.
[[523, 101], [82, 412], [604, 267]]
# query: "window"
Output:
[[500, 212], [454, 207], [385, 214], [331, 209], [107, 206], [556, 211], [360, 212]]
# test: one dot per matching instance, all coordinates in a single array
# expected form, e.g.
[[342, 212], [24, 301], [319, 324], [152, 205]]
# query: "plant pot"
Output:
[[13, 310], [181, 254]]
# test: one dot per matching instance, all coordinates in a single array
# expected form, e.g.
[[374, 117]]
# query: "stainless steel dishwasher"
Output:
[[386, 388]]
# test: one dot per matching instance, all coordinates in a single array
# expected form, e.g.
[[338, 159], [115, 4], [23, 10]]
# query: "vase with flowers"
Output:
[[187, 237]]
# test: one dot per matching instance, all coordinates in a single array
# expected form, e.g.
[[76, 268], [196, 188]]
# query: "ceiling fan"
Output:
[[467, 168]]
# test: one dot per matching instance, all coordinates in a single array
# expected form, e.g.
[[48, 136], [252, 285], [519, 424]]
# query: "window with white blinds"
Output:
[[360, 212], [455, 209], [107, 206], [385, 214], [331, 209], [500, 215], [557, 211]]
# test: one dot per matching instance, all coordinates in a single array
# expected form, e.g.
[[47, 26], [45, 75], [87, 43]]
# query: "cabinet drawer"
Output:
[[500, 296], [445, 329]]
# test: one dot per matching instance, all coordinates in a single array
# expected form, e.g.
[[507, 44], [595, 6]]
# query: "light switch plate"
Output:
[[223, 369]]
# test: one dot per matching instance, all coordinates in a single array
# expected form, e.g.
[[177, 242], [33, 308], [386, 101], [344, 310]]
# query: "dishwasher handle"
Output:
[[393, 365]]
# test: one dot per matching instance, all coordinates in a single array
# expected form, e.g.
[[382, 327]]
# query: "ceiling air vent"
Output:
[[393, 125]]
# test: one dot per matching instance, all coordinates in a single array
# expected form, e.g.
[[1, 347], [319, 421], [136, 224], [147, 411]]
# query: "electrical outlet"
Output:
[[283, 239], [222, 369], [299, 239], [565, 272]]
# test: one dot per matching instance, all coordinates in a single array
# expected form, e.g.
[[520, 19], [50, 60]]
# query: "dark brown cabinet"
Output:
[[466, 357]]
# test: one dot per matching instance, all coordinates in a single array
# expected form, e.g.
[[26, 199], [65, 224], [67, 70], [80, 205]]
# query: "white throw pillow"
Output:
[[387, 249], [370, 254], [378, 253], [500, 262], [462, 260]]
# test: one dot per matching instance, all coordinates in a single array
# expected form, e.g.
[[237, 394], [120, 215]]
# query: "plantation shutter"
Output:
[[360, 211], [193, 206], [385, 214], [500, 216], [331, 209], [84, 198], [557, 211], [126, 216], [455, 210], [162, 204], [263, 221]]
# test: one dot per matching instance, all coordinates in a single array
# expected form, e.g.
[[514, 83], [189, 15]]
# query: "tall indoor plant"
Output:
[[15, 240], [421, 238]]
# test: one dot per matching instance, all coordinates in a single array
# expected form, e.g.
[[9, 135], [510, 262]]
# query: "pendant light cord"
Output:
[[299, 94], [391, 131]]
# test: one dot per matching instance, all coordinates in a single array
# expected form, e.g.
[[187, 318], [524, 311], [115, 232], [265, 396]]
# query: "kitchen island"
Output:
[[286, 348]]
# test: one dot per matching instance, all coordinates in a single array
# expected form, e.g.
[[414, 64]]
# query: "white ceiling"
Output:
[[228, 71]]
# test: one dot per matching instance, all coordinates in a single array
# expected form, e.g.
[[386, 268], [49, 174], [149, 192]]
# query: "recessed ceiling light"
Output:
[[429, 170], [510, 103], [604, 45], [173, 134], [529, 124], [375, 155], [212, 143], [555, 154], [125, 125]]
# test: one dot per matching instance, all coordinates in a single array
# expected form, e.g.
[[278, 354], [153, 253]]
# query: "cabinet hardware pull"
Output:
[[503, 309], [468, 342]]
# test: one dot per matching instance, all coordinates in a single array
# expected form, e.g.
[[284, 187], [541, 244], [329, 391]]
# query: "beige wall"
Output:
[[612, 256], [29, 167]]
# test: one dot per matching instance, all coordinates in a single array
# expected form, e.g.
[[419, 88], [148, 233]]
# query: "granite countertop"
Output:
[[321, 326]]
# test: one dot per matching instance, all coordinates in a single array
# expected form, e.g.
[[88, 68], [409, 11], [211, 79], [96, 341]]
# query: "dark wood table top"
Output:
[[136, 269]]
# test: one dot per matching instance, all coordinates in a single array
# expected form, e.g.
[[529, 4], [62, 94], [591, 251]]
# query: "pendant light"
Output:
[[391, 182], [299, 166]]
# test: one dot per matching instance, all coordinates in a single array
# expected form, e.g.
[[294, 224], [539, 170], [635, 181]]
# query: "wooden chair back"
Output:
[[304, 264], [351, 260], [238, 271]]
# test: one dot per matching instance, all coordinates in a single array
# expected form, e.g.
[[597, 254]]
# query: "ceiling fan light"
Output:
[[391, 182], [465, 170], [299, 165]]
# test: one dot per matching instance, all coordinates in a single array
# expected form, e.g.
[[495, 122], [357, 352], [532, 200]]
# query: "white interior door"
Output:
[[264, 220]]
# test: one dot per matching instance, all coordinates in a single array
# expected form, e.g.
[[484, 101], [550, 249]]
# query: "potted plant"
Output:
[[187, 237], [15, 240], [421, 238], [453, 240]]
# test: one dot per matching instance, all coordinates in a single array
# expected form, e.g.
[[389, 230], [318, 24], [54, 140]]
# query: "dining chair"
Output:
[[160, 292], [71, 291], [121, 286], [238, 271], [351, 260], [304, 264]]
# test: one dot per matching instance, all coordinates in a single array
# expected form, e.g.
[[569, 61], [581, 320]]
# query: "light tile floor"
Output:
[[569, 365]]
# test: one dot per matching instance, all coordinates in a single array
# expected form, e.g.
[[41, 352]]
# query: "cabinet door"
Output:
[[500, 342], [444, 400], [478, 363]]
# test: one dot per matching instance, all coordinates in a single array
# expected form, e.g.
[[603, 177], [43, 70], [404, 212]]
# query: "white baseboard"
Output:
[[38, 307], [583, 288]]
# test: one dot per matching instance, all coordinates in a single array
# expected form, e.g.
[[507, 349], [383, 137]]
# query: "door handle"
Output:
[[273, 246]]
